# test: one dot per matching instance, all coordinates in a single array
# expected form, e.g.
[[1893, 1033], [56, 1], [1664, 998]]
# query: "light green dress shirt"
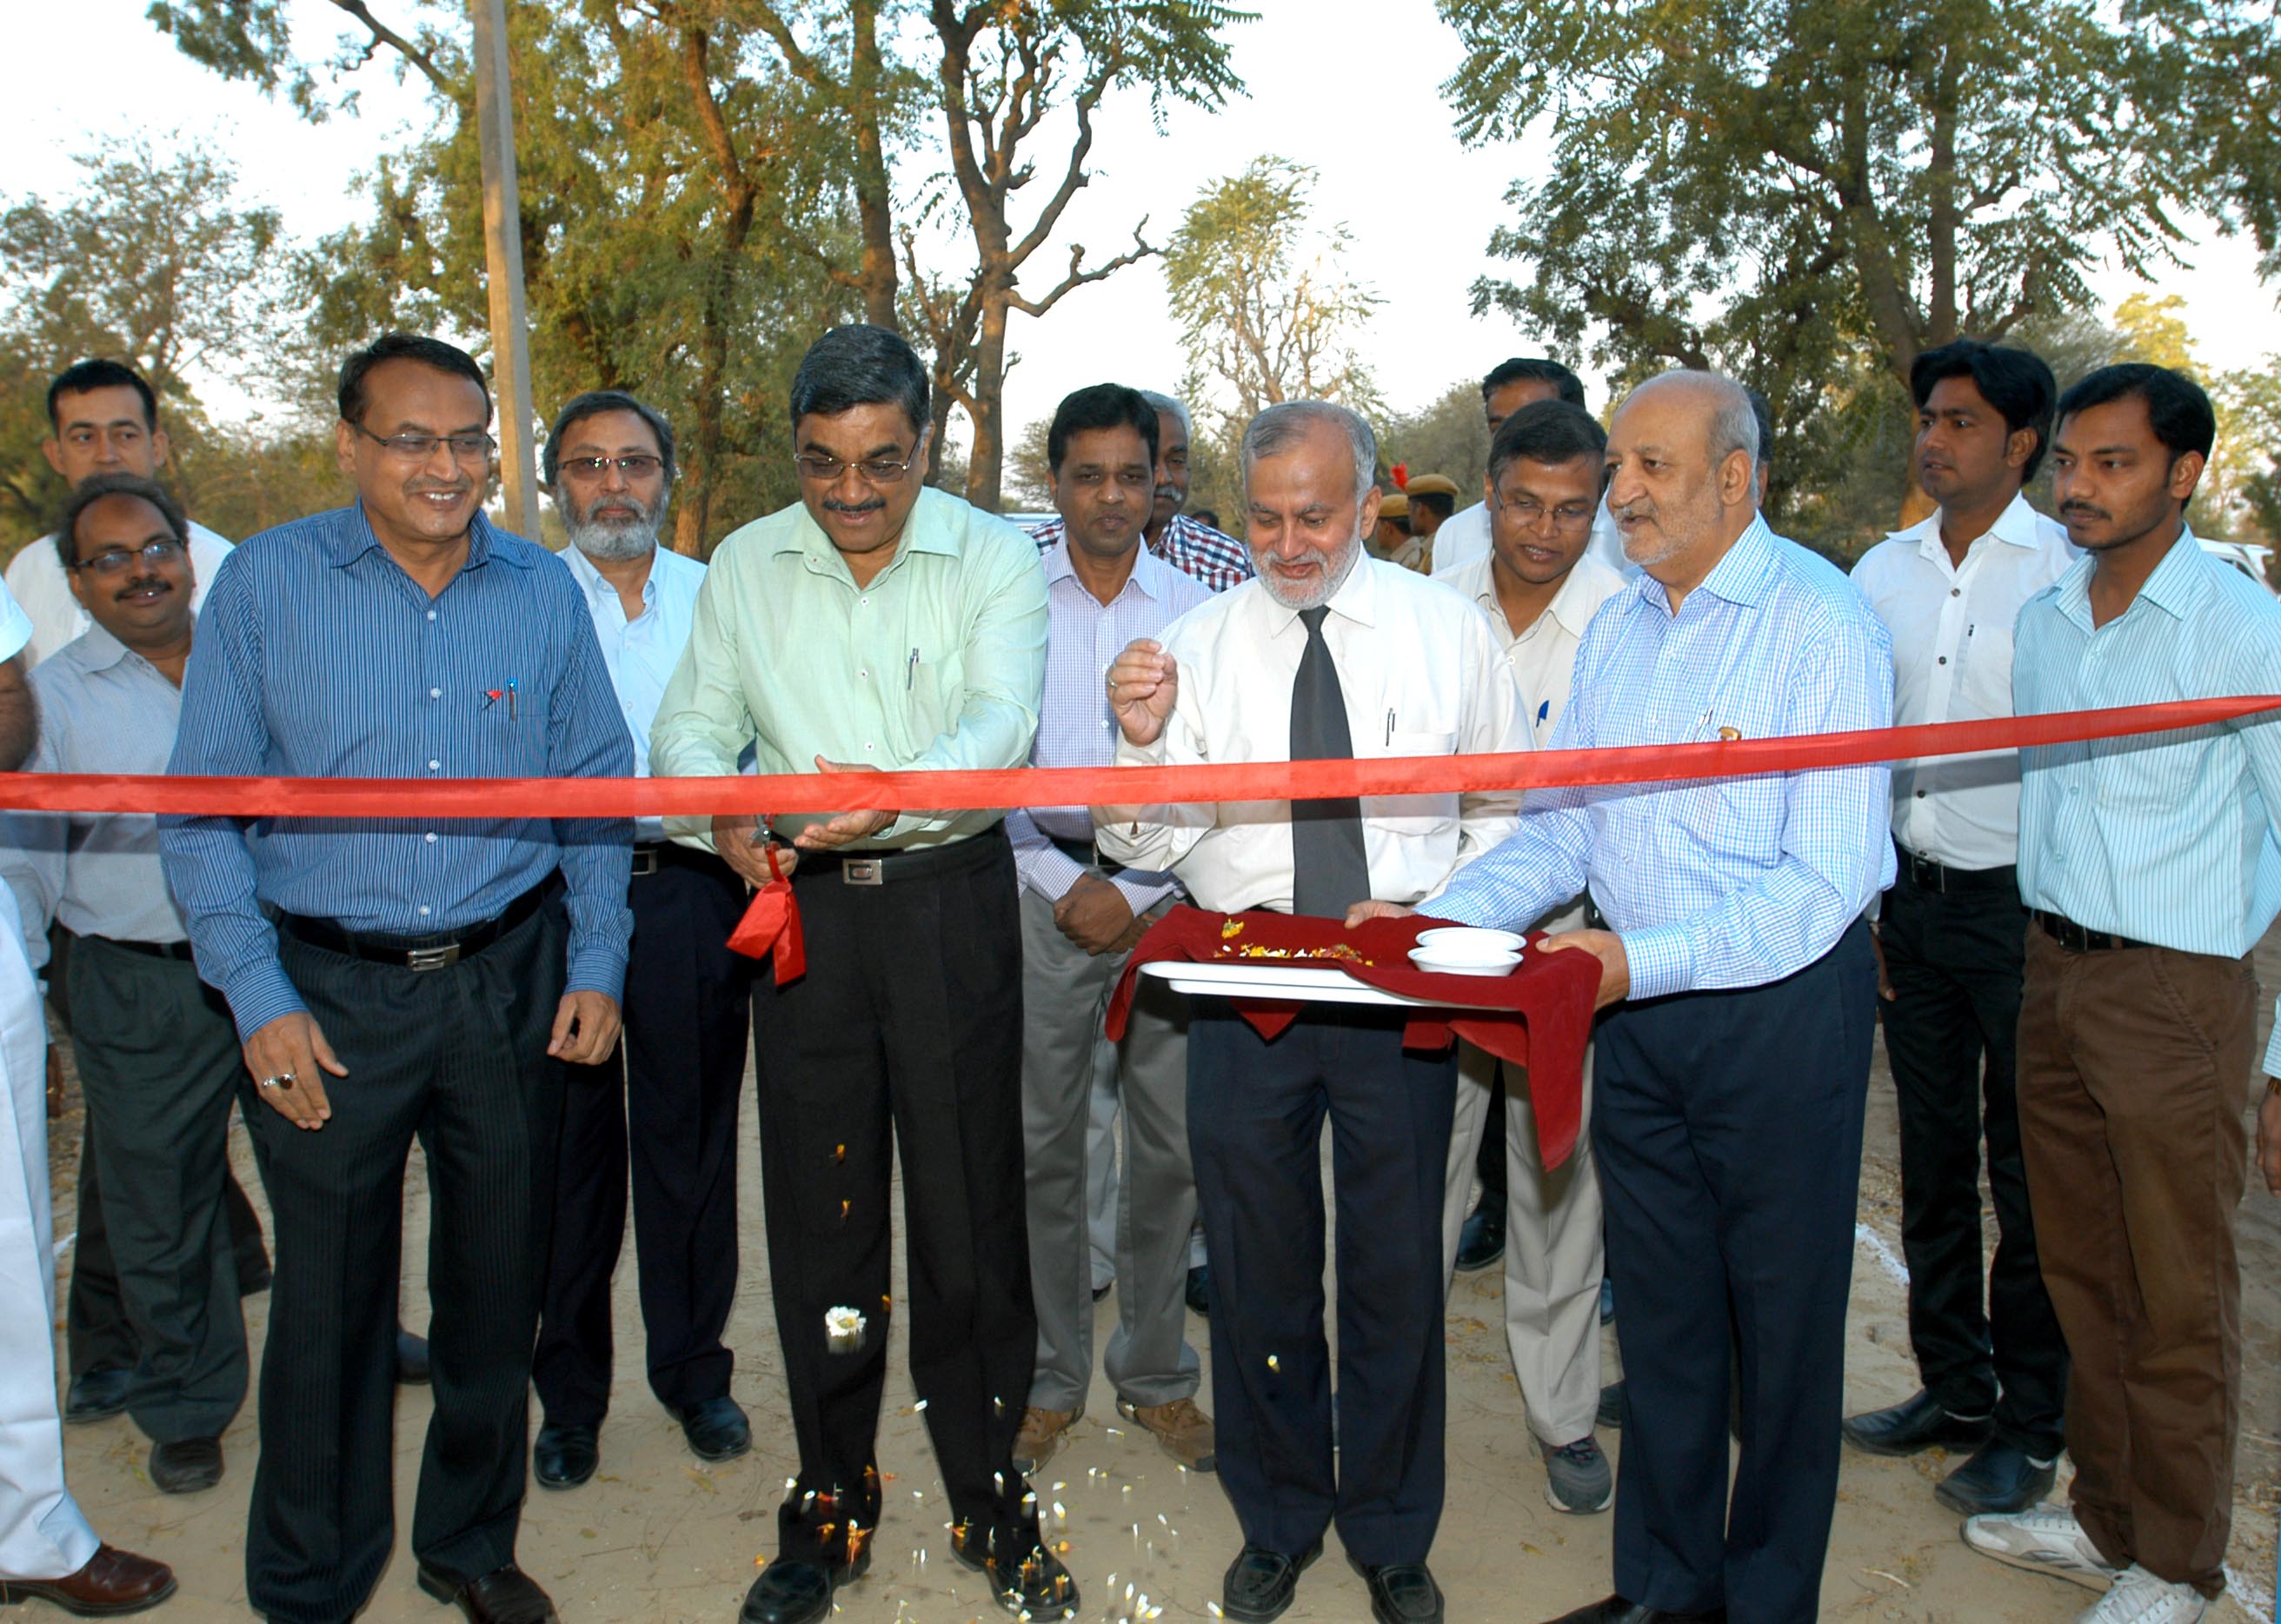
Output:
[[939, 663]]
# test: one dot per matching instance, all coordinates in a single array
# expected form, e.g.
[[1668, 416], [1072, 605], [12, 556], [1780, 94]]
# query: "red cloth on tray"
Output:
[[1540, 1016]]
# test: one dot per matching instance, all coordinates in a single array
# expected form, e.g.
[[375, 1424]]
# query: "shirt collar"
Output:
[[2179, 583], [1356, 598], [1744, 577], [925, 529], [1569, 607], [1148, 578], [98, 650], [598, 584], [352, 537], [2017, 525]]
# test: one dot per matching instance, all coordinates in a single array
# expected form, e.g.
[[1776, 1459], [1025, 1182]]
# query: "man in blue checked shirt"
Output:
[[1741, 991], [398, 978], [2150, 869]]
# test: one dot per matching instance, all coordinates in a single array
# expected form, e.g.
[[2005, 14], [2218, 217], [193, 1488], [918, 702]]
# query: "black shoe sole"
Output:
[[2034, 1493], [1307, 1560], [87, 1417], [558, 1485], [1383, 1615], [1475, 1265], [1902, 1451]]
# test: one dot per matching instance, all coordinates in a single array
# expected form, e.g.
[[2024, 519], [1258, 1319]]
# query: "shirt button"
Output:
[[1956, 591], [867, 747], [434, 694], [1921, 794], [431, 615], [431, 837], [435, 767], [423, 910], [860, 672], [1944, 660]]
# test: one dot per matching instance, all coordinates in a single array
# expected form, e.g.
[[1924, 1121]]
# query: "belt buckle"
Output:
[[424, 959], [644, 862], [863, 872]]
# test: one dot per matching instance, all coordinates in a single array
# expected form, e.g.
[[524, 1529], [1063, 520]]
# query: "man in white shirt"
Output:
[[1953, 934], [1539, 590], [1329, 654], [670, 1090], [1081, 915], [1465, 537], [102, 419]]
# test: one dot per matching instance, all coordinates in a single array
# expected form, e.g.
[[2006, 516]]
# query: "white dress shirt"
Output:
[[1465, 537], [1422, 674], [37, 577], [1543, 657], [1951, 630], [641, 653]]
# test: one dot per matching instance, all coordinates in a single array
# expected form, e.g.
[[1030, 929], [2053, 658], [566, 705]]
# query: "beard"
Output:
[[614, 538], [1323, 586]]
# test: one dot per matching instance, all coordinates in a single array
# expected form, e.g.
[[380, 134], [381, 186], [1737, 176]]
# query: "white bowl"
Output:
[[1451, 940], [1474, 964]]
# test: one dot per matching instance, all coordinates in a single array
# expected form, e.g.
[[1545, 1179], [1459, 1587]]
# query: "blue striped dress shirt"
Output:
[[318, 657], [2168, 838], [1733, 882]]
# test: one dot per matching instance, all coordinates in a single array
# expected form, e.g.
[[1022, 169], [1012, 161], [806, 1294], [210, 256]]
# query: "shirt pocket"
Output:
[[1747, 818], [1412, 814], [936, 696]]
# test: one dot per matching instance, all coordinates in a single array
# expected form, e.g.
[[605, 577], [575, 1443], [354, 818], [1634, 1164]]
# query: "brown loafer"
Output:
[[504, 1596], [114, 1582], [1043, 1432], [1184, 1431]]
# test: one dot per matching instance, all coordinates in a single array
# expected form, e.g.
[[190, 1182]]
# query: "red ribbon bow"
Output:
[[771, 926]]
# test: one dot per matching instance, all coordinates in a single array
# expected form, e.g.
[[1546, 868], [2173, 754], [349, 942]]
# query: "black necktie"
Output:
[[1330, 871]]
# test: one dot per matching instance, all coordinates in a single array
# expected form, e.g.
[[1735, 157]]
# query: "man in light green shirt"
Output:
[[877, 626]]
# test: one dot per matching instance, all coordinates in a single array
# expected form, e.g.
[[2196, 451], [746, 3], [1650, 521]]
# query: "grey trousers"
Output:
[[160, 1062], [1066, 993]]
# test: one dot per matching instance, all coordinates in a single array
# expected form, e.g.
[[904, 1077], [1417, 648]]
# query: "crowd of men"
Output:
[[2055, 940]]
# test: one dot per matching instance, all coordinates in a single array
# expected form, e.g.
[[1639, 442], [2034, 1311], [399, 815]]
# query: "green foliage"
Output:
[[1449, 437]]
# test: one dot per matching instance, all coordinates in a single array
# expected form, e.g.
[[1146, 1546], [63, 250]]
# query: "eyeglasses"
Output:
[[119, 561], [1569, 516], [640, 466], [420, 447], [873, 471]]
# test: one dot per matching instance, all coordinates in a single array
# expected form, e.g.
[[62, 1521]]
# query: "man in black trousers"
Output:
[[878, 624], [673, 1089], [403, 977]]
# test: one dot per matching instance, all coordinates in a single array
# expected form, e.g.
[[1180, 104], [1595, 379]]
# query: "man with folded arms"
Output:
[[157, 1056], [1081, 914], [879, 624], [1329, 654], [1952, 934], [401, 978], [1731, 1069], [672, 1090], [1539, 590], [2151, 869]]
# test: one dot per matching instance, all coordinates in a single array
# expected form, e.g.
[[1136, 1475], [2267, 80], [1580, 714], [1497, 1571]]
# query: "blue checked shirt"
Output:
[[2168, 837], [1724, 882], [318, 657], [1196, 550]]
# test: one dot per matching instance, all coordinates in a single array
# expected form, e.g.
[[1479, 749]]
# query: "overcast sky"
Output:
[[1348, 87]]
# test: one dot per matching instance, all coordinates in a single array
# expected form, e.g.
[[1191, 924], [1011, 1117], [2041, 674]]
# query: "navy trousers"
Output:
[[1255, 1114], [1728, 1129]]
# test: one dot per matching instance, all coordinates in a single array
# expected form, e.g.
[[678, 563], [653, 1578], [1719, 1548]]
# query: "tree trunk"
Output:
[[874, 203], [986, 458]]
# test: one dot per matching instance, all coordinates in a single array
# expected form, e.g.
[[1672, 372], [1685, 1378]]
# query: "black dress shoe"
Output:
[[186, 1466], [789, 1592], [411, 1359], [1100, 1292], [716, 1429], [504, 1596], [1260, 1582], [97, 1395], [1616, 1610], [1481, 1243], [1997, 1478], [1400, 1592], [565, 1456], [1199, 1293], [1914, 1425], [1611, 1412]]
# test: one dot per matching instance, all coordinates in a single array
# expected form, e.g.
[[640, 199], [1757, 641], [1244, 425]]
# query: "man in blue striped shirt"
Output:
[[2151, 868], [1734, 1062], [403, 976]]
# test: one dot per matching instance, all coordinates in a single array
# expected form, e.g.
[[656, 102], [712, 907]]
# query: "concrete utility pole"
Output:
[[503, 258]]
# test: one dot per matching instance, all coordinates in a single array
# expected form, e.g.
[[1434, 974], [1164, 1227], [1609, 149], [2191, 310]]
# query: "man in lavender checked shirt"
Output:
[[1081, 915]]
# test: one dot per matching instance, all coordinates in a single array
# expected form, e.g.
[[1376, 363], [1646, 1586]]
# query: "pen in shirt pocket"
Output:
[[911, 671]]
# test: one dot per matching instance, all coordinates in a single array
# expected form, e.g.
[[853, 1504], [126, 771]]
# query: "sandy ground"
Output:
[[660, 1537]]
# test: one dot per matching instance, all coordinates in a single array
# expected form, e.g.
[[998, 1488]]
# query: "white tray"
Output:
[[1296, 984]]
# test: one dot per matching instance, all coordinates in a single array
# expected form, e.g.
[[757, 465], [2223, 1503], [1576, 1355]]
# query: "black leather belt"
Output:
[[2075, 938], [150, 949], [667, 855], [1926, 874], [878, 868], [419, 952], [1086, 853]]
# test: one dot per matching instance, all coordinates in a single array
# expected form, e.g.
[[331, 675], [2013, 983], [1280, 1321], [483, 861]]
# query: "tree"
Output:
[[1001, 67], [1790, 189], [1264, 312], [1449, 437]]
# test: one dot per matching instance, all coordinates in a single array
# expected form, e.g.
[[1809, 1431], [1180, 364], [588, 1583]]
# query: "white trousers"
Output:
[[1552, 1247], [42, 1534]]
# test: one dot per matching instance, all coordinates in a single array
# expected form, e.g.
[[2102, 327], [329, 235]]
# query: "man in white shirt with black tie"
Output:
[[1953, 934], [1329, 654]]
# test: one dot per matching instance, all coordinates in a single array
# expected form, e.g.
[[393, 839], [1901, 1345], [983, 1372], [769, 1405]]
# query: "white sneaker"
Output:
[[2139, 1597], [2045, 1539]]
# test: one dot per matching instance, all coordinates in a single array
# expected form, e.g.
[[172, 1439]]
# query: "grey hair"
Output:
[[1171, 406], [1733, 418], [593, 403], [1284, 424]]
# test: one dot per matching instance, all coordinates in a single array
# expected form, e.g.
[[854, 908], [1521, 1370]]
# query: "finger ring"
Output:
[[271, 1082]]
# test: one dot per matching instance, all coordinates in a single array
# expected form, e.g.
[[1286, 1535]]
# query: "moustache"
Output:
[[873, 506], [1629, 510], [2082, 510], [147, 584], [459, 488]]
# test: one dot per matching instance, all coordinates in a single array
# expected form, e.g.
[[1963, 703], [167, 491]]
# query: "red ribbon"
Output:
[[771, 927], [1070, 786]]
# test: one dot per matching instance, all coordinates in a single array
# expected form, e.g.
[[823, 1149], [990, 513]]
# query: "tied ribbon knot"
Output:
[[770, 927]]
